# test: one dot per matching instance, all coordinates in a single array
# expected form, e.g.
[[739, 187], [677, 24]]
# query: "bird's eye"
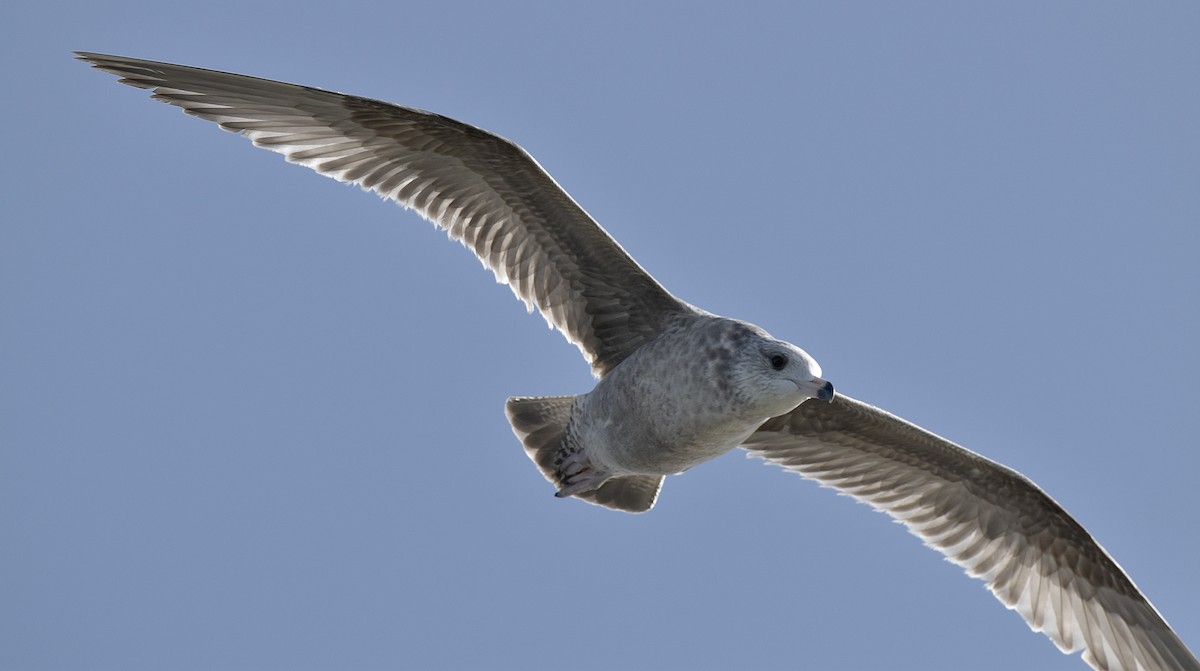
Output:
[[778, 361]]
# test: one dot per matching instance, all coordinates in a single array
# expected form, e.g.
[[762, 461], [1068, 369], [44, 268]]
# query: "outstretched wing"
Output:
[[485, 191], [989, 519]]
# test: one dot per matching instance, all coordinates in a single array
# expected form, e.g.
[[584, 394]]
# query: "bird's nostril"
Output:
[[825, 393]]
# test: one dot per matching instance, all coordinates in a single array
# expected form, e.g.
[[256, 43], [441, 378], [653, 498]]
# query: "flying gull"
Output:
[[678, 386]]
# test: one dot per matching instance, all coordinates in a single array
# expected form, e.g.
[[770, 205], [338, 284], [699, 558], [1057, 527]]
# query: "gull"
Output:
[[678, 386]]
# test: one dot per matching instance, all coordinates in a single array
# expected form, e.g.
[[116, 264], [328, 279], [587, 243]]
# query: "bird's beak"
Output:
[[818, 389]]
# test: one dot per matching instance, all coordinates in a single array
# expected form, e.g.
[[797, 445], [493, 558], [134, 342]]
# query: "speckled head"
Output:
[[771, 376]]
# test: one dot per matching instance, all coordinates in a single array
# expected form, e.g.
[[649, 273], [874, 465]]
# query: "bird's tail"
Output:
[[541, 424]]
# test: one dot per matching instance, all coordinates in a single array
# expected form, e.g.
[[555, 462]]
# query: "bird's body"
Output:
[[679, 386], [692, 394], [676, 403]]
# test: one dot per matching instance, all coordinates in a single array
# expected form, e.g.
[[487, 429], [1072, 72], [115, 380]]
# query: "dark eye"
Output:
[[778, 361]]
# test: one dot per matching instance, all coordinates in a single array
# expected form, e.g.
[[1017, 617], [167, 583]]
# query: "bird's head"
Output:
[[772, 376]]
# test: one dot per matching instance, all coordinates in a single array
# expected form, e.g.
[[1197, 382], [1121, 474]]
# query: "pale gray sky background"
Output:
[[253, 419]]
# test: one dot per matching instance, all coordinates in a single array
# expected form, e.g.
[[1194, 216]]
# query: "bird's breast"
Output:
[[659, 415]]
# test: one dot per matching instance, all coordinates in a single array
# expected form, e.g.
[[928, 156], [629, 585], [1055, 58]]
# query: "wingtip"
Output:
[[94, 59], [102, 61]]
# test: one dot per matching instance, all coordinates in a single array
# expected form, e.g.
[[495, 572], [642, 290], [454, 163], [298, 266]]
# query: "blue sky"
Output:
[[252, 418]]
